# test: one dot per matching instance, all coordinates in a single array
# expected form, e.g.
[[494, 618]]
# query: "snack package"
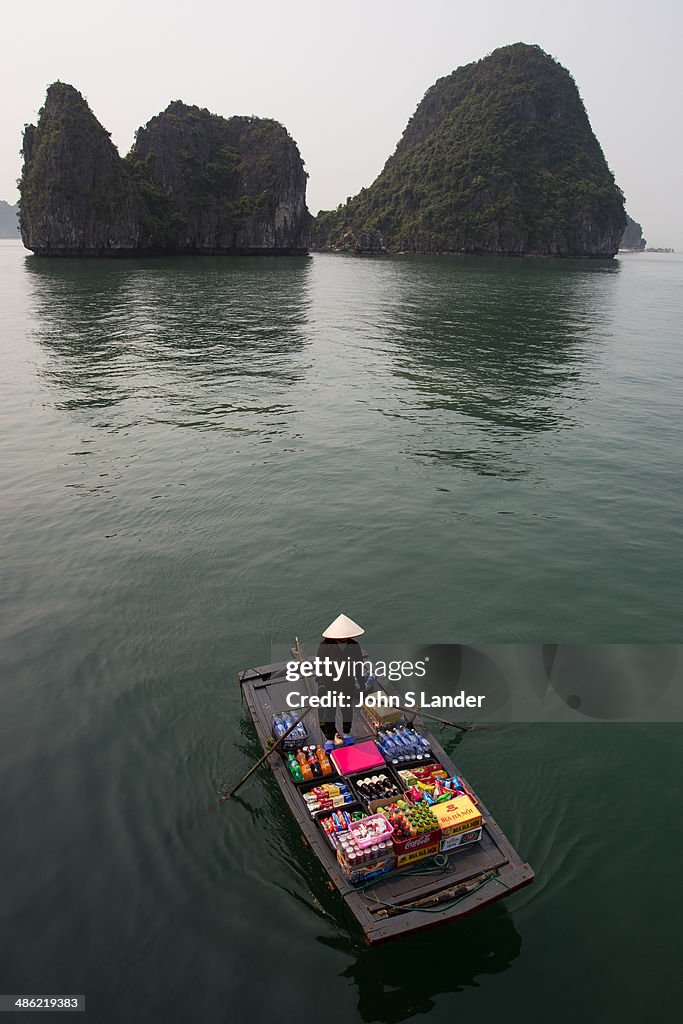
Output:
[[440, 793], [455, 784]]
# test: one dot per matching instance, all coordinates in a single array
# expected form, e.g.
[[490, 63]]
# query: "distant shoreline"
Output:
[[648, 249]]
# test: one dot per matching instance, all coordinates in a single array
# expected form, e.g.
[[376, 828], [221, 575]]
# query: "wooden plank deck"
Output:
[[478, 875]]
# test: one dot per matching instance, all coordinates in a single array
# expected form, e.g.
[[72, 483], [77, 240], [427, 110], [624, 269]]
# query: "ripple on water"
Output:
[[205, 457]]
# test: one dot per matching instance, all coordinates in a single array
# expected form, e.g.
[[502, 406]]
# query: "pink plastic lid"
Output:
[[358, 758]]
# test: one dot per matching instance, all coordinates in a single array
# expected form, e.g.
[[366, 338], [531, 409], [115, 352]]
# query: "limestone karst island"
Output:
[[499, 158], [193, 182]]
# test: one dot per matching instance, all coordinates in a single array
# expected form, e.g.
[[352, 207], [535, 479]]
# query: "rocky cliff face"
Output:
[[499, 158], [77, 194], [214, 185], [9, 223], [633, 235], [193, 182]]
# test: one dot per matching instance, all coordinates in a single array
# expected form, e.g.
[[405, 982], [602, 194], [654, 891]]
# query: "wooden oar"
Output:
[[265, 757], [296, 650], [443, 721], [231, 792], [454, 725]]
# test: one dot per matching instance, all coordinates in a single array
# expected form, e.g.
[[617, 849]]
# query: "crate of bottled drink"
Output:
[[417, 832], [376, 788], [366, 851], [403, 746], [281, 722], [308, 763]]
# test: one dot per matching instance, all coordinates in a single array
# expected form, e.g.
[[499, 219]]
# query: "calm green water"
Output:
[[204, 457]]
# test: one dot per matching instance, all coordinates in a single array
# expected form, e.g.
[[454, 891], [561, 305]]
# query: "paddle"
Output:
[[265, 757], [231, 792], [296, 650], [443, 721]]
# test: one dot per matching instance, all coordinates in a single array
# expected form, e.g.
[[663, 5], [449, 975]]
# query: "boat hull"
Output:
[[403, 902]]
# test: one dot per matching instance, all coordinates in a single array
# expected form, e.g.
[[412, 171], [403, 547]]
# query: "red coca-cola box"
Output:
[[416, 847]]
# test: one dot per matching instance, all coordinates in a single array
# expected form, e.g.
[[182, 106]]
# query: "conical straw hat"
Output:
[[343, 628]]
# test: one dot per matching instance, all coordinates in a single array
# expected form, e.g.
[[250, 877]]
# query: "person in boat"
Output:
[[339, 644]]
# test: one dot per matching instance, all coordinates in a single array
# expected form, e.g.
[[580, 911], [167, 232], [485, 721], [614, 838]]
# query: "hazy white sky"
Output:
[[344, 76]]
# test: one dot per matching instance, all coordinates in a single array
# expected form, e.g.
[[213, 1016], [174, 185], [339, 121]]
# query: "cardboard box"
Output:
[[461, 839], [457, 815], [380, 717], [420, 854], [364, 872], [416, 847], [409, 779]]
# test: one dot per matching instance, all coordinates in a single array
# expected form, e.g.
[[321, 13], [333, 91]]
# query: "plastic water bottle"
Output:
[[404, 739], [386, 745], [426, 746]]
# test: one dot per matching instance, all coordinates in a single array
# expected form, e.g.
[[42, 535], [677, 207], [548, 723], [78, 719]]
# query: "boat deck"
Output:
[[404, 901]]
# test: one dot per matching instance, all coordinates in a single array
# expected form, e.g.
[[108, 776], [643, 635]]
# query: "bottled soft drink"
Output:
[[294, 768], [324, 761], [313, 762], [402, 739], [306, 770], [415, 744]]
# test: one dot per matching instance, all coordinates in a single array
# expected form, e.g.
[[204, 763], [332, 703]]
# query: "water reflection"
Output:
[[207, 343], [404, 978], [496, 351]]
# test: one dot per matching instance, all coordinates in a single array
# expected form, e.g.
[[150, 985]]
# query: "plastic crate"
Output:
[[297, 738]]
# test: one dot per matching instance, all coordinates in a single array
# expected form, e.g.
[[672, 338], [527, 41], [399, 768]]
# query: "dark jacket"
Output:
[[349, 651]]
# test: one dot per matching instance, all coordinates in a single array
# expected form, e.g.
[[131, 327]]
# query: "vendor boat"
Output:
[[438, 882]]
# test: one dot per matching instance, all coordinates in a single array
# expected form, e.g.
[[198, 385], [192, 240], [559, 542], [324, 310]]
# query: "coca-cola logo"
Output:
[[415, 844]]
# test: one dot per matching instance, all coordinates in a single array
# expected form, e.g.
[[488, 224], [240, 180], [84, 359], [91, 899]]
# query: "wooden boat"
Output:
[[401, 902]]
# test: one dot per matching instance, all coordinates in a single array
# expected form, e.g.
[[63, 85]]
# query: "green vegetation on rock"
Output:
[[193, 182], [77, 194], [207, 182], [500, 158]]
